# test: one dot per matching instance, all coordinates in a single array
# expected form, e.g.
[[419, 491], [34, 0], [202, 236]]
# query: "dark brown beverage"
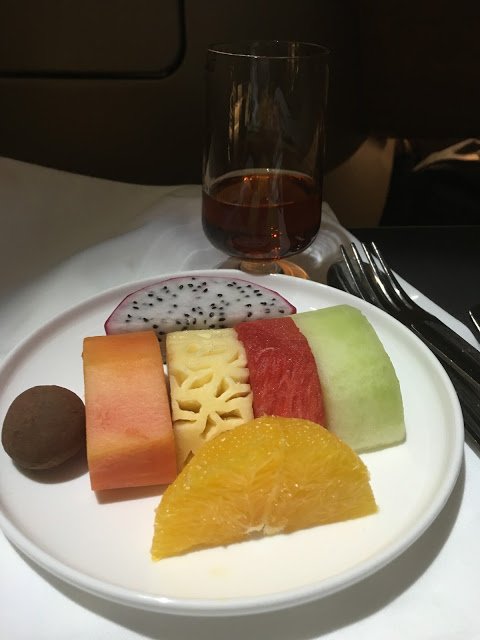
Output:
[[262, 215]]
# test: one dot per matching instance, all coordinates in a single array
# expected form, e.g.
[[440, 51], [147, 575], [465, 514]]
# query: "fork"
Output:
[[474, 314], [376, 283]]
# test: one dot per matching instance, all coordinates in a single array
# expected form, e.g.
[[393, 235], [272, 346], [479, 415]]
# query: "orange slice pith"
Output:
[[267, 476]]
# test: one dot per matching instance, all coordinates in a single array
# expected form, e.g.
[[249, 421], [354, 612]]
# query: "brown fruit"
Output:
[[44, 427]]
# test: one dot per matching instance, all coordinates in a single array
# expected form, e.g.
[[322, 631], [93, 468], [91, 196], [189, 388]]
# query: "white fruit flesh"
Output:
[[209, 387], [362, 396]]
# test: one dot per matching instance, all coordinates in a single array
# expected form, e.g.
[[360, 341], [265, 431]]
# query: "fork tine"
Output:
[[396, 287], [382, 280], [394, 292], [361, 285], [364, 283], [474, 314], [374, 276], [353, 281], [340, 274]]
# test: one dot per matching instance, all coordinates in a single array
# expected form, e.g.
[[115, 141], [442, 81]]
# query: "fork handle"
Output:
[[452, 349], [462, 364], [470, 403]]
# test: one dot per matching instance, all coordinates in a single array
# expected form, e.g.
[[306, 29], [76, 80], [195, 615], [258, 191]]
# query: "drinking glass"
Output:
[[264, 151]]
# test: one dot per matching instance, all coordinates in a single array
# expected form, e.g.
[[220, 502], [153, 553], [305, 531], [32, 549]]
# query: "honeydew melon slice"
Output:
[[361, 391]]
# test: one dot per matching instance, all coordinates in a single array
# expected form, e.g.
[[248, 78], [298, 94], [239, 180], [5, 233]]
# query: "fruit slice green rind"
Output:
[[362, 396]]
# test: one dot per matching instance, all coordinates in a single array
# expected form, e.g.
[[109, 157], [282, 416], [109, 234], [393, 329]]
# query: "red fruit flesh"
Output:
[[283, 373], [130, 441]]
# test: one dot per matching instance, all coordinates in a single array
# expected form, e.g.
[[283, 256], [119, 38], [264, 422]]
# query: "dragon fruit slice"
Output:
[[195, 302]]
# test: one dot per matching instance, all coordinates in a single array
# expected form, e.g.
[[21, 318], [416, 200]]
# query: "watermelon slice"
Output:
[[362, 396], [283, 372]]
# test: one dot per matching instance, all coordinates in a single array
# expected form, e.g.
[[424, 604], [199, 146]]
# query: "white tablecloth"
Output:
[[64, 238]]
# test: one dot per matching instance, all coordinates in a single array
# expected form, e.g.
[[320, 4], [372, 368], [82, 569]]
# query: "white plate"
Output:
[[56, 519]]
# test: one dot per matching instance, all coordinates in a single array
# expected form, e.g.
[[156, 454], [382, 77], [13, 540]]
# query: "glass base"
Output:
[[258, 268]]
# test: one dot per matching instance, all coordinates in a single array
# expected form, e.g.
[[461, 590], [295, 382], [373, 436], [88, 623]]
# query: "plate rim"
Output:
[[244, 605]]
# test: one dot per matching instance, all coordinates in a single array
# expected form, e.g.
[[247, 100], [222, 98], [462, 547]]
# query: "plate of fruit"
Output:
[[205, 444]]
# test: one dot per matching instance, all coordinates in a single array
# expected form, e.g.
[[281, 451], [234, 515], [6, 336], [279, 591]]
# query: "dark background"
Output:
[[115, 88]]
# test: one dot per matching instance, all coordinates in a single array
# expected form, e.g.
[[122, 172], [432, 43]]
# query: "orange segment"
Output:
[[267, 476]]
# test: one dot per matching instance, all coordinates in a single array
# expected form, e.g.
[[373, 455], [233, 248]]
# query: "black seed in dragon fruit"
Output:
[[195, 302]]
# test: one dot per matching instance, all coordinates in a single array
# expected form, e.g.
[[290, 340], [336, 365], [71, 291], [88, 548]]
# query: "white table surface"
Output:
[[65, 238]]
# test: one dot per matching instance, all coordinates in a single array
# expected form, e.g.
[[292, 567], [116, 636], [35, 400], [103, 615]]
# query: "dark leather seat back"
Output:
[[115, 88]]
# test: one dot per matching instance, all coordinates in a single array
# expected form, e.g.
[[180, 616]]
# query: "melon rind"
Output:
[[361, 391]]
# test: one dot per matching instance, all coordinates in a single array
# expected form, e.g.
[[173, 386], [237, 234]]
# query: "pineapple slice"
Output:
[[209, 387]]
